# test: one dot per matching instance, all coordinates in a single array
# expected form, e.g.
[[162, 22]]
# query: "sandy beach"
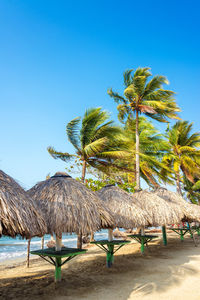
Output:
[[169, 273]]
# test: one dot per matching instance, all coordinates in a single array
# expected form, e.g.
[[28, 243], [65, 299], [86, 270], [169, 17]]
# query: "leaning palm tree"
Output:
[[142, 95], [184, 153], [98, 142]]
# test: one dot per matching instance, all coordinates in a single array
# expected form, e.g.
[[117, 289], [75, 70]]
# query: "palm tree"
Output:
[[97, 142], [142, 95], [153, 146], [184, 154]]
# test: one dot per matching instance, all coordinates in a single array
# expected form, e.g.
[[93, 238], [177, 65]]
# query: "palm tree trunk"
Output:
[[83, 171], [79, 237], [137, 160], [178, 184], [151, 179]]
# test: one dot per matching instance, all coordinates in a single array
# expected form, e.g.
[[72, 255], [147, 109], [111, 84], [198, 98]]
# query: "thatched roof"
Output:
[[18, 214], [126, 214], [69, 206], [191, 211], [160, 212]]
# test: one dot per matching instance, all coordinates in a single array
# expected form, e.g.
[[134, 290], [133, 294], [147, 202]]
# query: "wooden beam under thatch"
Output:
[[125, 213], [191, 211], [160, 212], [69, 206], [18, 214]]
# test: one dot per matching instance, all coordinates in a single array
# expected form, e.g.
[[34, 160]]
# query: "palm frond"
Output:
[[72, 130], [63, 156]]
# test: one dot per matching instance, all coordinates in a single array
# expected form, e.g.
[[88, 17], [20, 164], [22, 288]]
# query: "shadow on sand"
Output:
[[159, 269]]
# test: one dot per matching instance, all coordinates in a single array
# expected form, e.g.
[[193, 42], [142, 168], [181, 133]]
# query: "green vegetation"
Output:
[[98, 142], [123, 154], [183, 156]]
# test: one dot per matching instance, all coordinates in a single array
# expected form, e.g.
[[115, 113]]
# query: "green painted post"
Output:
[[142, 245], [182, 236], [110, 256], [58, 269], [164, 235]]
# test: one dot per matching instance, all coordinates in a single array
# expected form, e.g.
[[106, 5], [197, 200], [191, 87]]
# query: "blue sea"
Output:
[[13, 248]]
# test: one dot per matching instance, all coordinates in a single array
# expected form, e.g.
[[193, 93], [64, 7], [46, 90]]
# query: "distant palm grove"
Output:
[[134, 149]]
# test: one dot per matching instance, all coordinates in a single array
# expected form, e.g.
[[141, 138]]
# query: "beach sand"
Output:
[[170, 273]]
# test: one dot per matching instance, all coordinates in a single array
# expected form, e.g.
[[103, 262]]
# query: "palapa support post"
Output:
[[28, 253], [182, 235], [58, 259], [110, 235], [42, 242], [110, 256], [142, 240], [58, 269], [164, 235], [142, 245]]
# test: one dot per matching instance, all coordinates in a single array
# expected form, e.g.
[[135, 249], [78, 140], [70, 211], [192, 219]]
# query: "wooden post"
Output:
[[79, 241], [110, 235], [164, 235], [92, 237], [142, 230], [28, 253], [42, 242], [58, 243]]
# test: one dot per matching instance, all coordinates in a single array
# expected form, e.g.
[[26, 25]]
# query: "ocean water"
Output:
[[13, 248]]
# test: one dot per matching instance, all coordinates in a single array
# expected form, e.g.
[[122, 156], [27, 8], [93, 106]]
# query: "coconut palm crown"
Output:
[[184, 154], [142, 95], [97, 141]]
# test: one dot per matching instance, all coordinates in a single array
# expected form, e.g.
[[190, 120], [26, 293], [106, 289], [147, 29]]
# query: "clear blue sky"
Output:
[[58, 58]]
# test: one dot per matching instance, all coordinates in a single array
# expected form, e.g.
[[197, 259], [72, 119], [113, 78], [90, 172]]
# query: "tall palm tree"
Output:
[[97, 142], [142, 95], [153, 147], [184, 154]]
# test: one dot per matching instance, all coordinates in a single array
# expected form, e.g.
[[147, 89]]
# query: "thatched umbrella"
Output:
[[125, 213], [69, 206], [161, 212], [18, 213], [191, 211]]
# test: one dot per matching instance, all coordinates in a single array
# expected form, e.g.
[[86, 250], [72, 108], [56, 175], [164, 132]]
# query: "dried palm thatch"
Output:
[[69, 206], [191, 211], [125, 213], [160, 212], [18, 214]]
